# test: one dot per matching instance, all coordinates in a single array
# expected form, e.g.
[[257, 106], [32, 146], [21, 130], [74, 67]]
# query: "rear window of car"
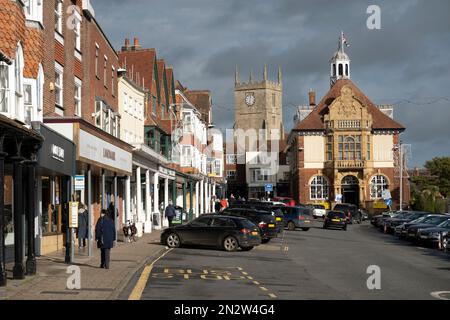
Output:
[[335, 215], [319, 206], [299, 211], [246, 224], [223, 222]]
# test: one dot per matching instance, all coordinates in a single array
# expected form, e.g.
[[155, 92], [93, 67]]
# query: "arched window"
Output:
[[334, 69], [377, 184], [346, 70], [319, 188], [341, 69]]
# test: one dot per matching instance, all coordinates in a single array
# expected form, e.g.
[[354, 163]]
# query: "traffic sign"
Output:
[[268, 187], [79, 182]]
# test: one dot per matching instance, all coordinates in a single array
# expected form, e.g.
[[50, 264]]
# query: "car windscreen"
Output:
[[319, 206], [445, 224], [333, 215], [435, 220]]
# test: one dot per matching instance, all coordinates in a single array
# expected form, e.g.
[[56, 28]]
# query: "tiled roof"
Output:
[[314, 121], [33, 52], [12, 26]]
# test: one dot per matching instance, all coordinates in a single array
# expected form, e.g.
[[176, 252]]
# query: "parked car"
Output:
[[350, 210], [335, 219], [267, 206], [286, 200], [402, 229], [389, 225], [376, 220], [429, 222], [226, 232], [364, 215], [433, 236], [444, 242], [319, 211], [265, 220], [296, 217]]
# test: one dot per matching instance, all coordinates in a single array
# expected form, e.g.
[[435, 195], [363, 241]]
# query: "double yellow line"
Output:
[[136, 294]]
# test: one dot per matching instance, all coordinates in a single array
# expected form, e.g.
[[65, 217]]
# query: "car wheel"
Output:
[[230, 244], [173, 240], [263, 241], [246, 248], [291, 226], [305, 229], [324, 227]]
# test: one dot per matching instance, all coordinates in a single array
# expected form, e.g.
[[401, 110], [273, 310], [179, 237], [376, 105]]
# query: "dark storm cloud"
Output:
[[408, 59]]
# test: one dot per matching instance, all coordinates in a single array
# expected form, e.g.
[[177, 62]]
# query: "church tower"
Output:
[[258, 104], [340, 62]]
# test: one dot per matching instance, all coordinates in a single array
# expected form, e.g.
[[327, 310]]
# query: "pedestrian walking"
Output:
[[217, 206], [105, 234], [170, 213], [82, 231]]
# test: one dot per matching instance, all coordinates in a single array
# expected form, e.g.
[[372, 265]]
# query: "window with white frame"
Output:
[[231, 159], [378, 183], [187, 122], [77, 30], [125, 102], [28, 102], [96, 59], [39, 94], [18, 74], [4, 87], [218, 167], [319, 188], [106, 119], [33, 10], [231, 174], [105, 73], [78, 85], [186, 159], [58, 16], [113, 71], [59, 71]]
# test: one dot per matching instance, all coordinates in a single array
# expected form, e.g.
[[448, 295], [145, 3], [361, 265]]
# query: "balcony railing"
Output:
[[349, 164]]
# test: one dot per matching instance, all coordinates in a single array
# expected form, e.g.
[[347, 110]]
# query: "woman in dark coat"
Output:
[[105, 234], [82, 226]]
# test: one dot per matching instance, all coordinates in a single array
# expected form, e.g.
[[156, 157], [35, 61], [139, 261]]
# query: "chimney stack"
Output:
[[312, 98], [126, 47], [136, 46]]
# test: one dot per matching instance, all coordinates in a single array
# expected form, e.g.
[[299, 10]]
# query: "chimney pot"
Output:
[[127, 42], [136, 42]]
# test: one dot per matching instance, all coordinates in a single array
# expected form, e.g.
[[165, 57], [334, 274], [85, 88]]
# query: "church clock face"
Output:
[[250, 99]]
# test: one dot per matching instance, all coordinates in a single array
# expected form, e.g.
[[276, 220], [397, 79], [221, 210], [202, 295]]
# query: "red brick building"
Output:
[[346, 148]]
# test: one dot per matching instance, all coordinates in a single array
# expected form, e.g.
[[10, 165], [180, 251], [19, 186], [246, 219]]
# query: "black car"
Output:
[[351, 212], [226, 232], [428, 222], [263, 219], [267, 206], [335, 219], [377, 220], [396, 223], [432, 236], [402, 229]]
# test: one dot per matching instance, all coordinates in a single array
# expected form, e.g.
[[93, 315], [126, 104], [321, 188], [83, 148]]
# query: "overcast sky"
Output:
[[406, 63]]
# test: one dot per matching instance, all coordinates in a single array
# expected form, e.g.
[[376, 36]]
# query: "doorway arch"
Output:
[[350, 190]]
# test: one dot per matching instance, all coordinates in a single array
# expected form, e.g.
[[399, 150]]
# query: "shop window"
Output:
[[319, 188]]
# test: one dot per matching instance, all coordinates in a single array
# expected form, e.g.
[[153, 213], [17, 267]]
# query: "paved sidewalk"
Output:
[[96, 283]]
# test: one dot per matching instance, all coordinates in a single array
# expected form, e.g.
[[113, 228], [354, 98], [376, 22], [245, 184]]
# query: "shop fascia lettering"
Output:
[[57, 152]]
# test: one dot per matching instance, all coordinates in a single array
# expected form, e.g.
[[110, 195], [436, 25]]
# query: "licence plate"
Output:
[[423, 237], [307, 221], [335, 220], [278, 219], [254, 233], [271, 225]]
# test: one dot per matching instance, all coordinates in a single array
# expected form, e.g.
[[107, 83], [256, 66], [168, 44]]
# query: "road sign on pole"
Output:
[[268, 187]]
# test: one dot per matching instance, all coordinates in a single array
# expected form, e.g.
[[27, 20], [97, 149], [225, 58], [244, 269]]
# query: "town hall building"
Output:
[[345, 148]]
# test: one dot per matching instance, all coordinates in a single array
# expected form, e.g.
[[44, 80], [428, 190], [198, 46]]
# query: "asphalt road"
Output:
[[317, 264]]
